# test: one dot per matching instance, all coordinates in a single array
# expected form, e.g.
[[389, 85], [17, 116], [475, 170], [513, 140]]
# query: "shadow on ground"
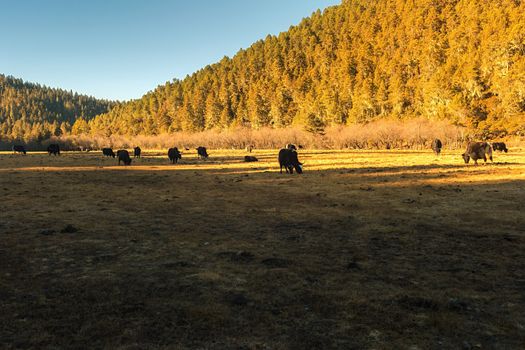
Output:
[[241, 257]]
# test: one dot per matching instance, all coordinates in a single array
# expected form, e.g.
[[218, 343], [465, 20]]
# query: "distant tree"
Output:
[[80, 127]]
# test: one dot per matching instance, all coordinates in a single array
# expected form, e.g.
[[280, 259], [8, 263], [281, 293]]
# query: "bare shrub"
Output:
[[398, 134], [415, 133], [237, 138]]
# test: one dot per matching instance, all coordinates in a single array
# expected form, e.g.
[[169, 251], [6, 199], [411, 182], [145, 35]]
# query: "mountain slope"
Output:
[[34, 112], [462, 61]]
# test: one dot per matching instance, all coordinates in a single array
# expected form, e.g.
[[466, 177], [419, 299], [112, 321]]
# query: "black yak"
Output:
[[19, 149], [201, 152], [499, 146], [288, 159], [136, 152], [174, 155], [53, 149], [108, 152], [123, 156], [250, 159]]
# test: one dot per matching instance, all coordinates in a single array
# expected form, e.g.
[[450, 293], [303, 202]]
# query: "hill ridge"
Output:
[[458, 60], [34, 112]]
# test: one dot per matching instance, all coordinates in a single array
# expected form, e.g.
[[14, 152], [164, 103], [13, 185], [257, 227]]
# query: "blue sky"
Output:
[[120, 49]]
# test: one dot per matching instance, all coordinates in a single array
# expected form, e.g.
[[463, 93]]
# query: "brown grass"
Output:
[[365, 250]]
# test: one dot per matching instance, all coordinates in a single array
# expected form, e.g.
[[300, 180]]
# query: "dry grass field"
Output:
[[365, 250]]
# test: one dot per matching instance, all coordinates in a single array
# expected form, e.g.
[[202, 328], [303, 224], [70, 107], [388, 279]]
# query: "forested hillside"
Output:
[[463, 61], [32, 112]]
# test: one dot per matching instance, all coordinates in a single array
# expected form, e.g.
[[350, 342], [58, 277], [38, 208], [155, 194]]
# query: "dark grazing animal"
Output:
[[436, 146], [53, 149], [477, 150], [288, 159], [136, 152], [123, 156], [499, 146], [19, 149], [201, 152], [108, 152], [250, 159], [174, 155]]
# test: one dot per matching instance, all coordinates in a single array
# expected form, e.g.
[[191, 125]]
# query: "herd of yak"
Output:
[[288, 157], [475, 150]]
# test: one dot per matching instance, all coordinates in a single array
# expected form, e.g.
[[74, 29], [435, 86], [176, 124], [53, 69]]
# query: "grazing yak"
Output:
[[136, 152], [499, 146], [250, 159], [477, 150], [174, 155], [288, 160], [436, 146], [123, 156], [108, 152], [201, 152], [19, 149], [53, 149]]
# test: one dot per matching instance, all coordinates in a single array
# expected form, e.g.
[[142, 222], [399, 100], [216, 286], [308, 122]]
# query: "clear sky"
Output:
[[120, 49]]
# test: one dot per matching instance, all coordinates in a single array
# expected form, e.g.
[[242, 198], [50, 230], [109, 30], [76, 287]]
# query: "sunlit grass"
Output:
[[389, 162]]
